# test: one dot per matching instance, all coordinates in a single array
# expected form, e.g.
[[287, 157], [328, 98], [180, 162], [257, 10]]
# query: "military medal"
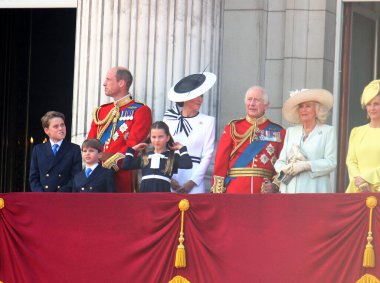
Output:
[[123, 128], [278, 137], [264, 159], [130, 115], [122, 116], [115, 136], [127, 115], [106, 144], [270, 149]]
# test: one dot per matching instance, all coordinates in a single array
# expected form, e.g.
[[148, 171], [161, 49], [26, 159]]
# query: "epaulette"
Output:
[[97, 108], [235, 120], [135, 105], [275, 126], [106, 104], [138, 102]]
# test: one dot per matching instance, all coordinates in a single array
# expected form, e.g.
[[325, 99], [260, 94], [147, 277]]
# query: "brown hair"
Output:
[[45, 120], [169, 164], [125, 75], [93, 143]]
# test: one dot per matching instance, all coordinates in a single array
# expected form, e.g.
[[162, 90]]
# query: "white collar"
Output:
[[52, 143], [92, 167]]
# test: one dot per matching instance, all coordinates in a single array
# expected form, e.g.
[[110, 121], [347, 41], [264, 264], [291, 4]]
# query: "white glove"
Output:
[[286, 168], [298, 167]]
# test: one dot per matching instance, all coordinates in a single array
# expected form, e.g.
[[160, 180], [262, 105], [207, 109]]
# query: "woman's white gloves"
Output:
[[298, 167], [286, 168]]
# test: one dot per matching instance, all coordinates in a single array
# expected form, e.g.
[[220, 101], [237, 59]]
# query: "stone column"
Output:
[[159, 41], [309, 45]]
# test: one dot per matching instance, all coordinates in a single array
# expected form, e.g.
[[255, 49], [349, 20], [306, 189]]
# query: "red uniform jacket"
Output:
[[259, 167], [127, 126]]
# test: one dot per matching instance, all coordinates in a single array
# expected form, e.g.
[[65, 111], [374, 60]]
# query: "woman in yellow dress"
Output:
[[363, 157]]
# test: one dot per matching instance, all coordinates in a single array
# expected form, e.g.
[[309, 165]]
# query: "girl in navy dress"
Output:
[[159, 164]]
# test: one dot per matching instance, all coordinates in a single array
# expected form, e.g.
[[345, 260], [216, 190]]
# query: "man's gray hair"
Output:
[[261, 89]]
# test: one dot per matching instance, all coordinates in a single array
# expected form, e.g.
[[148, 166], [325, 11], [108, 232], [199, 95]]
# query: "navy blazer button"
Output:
[[82, 189], [59, 175], [47, 175], [58, 187], [46, 187]]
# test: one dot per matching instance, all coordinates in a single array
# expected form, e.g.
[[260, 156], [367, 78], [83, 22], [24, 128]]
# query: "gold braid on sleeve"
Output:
[[111, 163], [218, 187], [276, 181]]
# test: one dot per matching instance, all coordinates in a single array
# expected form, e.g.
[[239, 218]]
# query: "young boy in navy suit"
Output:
[[54, 163], [94, 178]]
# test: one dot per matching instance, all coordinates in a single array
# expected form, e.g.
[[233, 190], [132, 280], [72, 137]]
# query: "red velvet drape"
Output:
[[53, 238]]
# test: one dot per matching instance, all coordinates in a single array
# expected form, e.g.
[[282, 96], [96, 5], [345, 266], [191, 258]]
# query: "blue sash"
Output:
[[253, 149], [127, 114]]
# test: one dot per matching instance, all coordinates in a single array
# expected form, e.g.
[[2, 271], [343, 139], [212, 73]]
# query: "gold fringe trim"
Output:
[[2, 205], [177, 279], [240, 139], [180, 257], [111, 163], [112, 116], [368, 278], [369, 253]]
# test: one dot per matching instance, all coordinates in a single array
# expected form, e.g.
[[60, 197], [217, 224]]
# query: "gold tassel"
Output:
[[369, 253], [368, 278], [180, 257], [179, 279]]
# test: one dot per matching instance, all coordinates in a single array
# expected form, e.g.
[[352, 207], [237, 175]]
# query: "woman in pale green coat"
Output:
[[309, 154]]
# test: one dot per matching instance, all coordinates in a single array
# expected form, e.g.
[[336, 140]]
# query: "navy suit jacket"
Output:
[[49, 173], [101, 180]]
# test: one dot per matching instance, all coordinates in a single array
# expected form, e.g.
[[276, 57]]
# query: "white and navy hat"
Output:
[[191, 87]]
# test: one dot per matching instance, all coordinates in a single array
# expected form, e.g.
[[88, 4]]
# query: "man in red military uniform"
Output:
[[120, 124], [248, 148]]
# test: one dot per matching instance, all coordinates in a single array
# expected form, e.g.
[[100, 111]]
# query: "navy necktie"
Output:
[[88, 172], [55, 148]]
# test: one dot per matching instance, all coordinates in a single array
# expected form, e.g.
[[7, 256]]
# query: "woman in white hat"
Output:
[[193, 129], [310, 149], [363, 157]]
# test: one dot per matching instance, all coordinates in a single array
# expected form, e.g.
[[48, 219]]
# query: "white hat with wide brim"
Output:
[[290, 108], [191, 87]]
